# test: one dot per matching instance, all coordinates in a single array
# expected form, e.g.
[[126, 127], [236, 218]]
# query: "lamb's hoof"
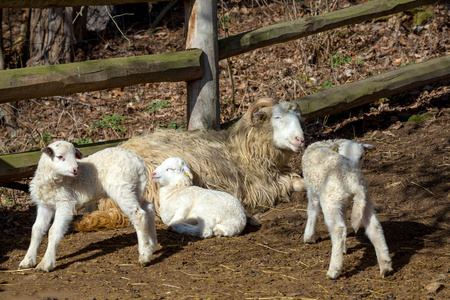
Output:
[[144, 263], [27, 264], [145, 260], [386, 272], [309, 240], [333, 274], [44, 268]]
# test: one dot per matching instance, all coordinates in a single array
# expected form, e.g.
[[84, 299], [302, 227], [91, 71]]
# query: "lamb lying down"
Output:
[[63, 184], [333, 177], [193, 210]]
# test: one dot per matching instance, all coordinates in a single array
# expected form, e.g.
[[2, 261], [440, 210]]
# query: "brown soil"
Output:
[[408, 174]]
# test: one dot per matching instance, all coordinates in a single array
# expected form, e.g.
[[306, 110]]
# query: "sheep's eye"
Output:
[[169, 169], [60, 157]]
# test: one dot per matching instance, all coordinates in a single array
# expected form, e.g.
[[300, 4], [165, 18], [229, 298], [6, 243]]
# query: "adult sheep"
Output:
[[248, 160]]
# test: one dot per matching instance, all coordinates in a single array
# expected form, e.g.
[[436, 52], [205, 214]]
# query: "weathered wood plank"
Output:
[[357, 93], [203, 105], [63, 3], [291, 30], [43, 81], [21, 165]]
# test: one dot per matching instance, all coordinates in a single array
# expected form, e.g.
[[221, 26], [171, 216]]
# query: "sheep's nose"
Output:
[[299, 140], [153, 174], [75, 171]]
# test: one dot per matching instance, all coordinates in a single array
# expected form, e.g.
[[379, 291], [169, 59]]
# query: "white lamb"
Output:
[[332, 174], [193, 210], [63, 184]]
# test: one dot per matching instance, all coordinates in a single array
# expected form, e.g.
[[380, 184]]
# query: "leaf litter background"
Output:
[[408, 174]]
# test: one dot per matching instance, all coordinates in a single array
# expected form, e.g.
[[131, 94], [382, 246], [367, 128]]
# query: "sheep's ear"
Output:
[[78, 153], [303, 121], [368, 147], [260, 116], [48, 151]]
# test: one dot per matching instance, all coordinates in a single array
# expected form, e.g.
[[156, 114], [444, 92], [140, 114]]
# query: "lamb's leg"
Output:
[[151, 226], [313, 212], [374, 232], [206, 228], [335, 221], [144, 223], [63, 216], [40, 227], [189, 229]]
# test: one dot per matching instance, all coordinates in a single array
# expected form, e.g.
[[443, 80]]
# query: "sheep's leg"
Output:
[[40, 227], [335, 221], [313, 212], [375, 234], [298, 184], [63, 216], [144, 223]]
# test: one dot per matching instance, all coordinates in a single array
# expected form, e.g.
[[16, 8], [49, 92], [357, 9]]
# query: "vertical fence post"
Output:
[[203, 106]]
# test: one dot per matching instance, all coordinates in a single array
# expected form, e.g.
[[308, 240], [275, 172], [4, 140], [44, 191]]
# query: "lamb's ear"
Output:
[[78, 153], [188, 173], [368, 147], [260, 116], [48, 151]]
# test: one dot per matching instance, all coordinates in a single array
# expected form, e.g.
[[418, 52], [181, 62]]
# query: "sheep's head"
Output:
[[285, 119], [172, 171], [62, 158], [354, 151]]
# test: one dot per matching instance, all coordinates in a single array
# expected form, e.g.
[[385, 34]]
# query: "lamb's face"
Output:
[[287, 129], [171, 170], [354, 151], [62, 157]]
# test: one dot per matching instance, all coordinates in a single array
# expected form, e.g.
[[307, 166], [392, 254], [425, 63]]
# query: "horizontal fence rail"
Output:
[[44, 81], [292, 30], [62, 3], [361, 92], [20, 165]]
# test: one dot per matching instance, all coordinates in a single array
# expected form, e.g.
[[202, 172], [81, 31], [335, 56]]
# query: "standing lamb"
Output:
[[249, 160], [62, 184], [194, 210], [333, 176]]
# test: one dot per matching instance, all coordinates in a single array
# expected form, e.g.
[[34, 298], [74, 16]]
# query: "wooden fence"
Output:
[[199, 68]]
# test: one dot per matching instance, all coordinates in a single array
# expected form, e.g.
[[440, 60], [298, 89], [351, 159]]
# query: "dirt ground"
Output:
[[408, 175]]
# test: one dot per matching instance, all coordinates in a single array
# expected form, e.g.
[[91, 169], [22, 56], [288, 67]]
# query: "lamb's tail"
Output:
[[360, 202], [108, 216]]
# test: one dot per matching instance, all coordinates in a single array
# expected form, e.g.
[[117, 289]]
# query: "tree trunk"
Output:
[[9, 109], [53, 36], [203, 94]]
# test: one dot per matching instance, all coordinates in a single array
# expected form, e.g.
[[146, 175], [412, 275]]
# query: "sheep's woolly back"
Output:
[[241, 161], [107, 217]]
